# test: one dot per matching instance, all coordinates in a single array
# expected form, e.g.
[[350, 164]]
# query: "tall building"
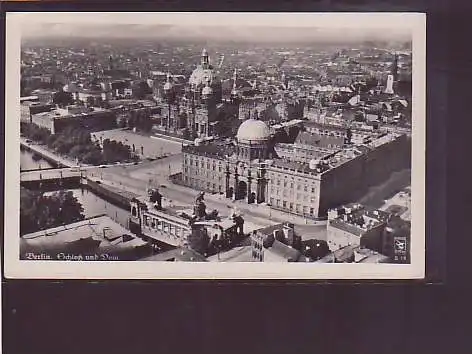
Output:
[[389, 86], [394, 70]]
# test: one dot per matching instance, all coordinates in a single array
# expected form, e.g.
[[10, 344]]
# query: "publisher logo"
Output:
[[400, 246]]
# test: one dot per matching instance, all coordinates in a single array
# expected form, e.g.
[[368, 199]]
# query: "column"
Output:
[[227, 174], [236, 181], [249, 179], [259, 191]]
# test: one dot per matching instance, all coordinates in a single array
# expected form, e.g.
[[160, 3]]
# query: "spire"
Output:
[[234, 78], [110, 62], [234, 91], [205, 60]]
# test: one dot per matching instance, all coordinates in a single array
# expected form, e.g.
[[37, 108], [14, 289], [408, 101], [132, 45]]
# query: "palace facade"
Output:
[[330, 171]]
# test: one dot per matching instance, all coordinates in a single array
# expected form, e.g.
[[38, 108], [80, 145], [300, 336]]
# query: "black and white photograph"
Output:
[[215, 145]]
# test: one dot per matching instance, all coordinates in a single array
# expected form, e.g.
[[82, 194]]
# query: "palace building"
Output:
[[320, 171]]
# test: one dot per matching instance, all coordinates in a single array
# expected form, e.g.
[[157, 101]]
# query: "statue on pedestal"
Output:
[[156, 198]]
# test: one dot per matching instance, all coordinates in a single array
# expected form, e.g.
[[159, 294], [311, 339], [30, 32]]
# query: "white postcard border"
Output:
[[16, 268]]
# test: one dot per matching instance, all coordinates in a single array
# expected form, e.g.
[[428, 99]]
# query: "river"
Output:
[[28, 163], [93, 205]]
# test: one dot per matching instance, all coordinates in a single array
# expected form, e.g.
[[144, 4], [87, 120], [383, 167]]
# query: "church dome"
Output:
[[253, 130], [200, 76]]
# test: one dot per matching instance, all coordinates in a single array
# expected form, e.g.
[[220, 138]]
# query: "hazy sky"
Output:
[[242, 26]]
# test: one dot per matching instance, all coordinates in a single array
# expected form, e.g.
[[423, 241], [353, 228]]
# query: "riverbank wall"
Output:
[[107, 193]]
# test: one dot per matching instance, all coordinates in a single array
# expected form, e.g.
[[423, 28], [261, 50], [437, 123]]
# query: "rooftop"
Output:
[[355, 254], [168, 208], [317, 140], [99, 232], [211, 149], [279, 250], [357, 219], [294, 165]]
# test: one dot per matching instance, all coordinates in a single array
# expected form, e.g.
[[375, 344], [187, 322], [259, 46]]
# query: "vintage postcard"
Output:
[[215, 145]]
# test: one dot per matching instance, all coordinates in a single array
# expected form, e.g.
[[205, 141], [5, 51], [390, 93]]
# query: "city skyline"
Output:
[[236, 26]]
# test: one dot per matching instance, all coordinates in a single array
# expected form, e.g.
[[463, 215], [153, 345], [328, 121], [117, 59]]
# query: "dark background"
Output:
[[428, 316]]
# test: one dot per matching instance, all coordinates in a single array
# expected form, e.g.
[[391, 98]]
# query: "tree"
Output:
[[315, 249], [199, 240], [268, 241], [93, 157], [62, 98], [70, 210], [39, 212]]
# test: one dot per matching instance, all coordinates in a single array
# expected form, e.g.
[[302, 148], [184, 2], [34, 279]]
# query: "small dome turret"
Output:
[[207, 90], [168, 85]]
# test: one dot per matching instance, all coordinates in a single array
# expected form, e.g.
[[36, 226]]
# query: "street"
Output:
[[134, 179]]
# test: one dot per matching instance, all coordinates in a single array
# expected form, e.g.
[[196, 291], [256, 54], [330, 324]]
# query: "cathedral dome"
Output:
[[200, 76], [253, 130]]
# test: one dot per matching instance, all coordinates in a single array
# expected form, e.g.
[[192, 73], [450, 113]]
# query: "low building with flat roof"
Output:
[[356, 225], [58, 119]]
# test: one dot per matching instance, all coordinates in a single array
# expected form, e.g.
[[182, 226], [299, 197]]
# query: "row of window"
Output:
[[210, 163], [204, 173], [336, 133], [291, 185], [196, 183], [290, 206], [251, 153], [156, 224], [285, 193], [282, 176]]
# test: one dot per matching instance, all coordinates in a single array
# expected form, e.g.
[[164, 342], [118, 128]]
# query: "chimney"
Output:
[[289, 234], [275, 234]]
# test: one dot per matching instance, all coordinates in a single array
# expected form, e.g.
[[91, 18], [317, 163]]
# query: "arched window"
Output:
[[134, 211]]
